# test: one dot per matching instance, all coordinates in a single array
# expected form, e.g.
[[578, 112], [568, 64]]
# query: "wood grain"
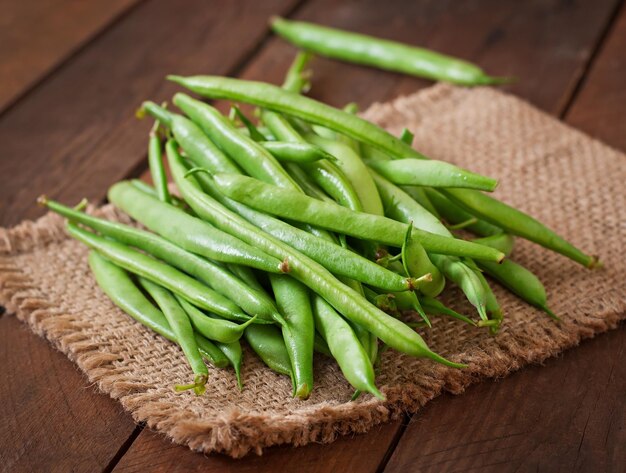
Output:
[[488, 30], [565, 416], [36, 37], [76, 134], [52, 419], [362, 453]]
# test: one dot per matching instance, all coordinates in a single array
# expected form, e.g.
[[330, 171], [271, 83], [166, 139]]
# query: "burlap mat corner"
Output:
[[566, 179]]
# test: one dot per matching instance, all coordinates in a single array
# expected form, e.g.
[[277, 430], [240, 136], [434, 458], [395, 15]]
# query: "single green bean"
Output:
[[417, 264], [297, 79], [116, 283], [302, 208], [521, 282], [159, 273], [213, 328], [293, 301], [292, 152], [503, 242], [434, 306], [345, 347], [380, 53], [250, 299], [268, 344], [190, 233], [253, 132], [232, 351], [354, 306], [155, 162], [181, 326], [415, 172]]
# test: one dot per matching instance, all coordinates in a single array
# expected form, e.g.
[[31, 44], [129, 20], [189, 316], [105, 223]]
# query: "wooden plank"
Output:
[[72, 136], [557, 41], [565, 416], [599, 107], [52, 420], [77, 133], [35, 40], [150, 452]]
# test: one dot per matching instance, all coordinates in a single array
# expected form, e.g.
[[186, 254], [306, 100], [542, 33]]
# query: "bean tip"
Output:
[[42, 200], [594, 262], [284, 266]]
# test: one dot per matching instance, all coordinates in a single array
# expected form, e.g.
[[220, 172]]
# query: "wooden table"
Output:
[[73, 72]]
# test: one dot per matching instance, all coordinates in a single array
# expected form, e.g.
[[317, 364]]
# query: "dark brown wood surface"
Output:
[[73, 134]]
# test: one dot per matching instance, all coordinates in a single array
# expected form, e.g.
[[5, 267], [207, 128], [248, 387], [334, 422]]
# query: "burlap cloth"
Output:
[[568, 180]]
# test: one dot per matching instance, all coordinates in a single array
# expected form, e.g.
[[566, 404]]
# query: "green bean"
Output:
[[414, 172], [159, 273], [521, 282], [516, 222], [268, 344], [354, 306], [355, 170], [453, 214], [302, 208], [407, 136], [181, 326], [190, 233], [416, 264], [296, 79], [155, 162], [192, 139], [303, 179], [252, 157], [274, 98], [213, 328], [380, 53], [345, 347], [247, 276], [320, 346], [294, 303], [464, 277], [491, 302], [418, 194], [398, 205], [296, 152], [253, 132], [251, 300], [434, 306], [501, 241], [232, 351], [148, 189], [116, 283]]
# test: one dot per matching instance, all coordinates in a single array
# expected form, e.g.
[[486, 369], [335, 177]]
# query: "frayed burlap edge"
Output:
[[239, 432]]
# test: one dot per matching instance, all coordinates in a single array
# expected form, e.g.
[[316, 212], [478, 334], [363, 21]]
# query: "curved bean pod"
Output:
[[345, 347], [268, 344]]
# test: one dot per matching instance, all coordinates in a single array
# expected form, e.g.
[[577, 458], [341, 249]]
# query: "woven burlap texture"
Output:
[[568, 180]]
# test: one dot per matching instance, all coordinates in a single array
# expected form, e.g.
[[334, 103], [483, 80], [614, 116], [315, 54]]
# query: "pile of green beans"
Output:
[[315, 232]]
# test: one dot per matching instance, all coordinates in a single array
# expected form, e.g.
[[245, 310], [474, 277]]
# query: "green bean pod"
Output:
[[491, 303], [294, 303], [354, 306], [453, 214], [190, 233], [302, 208], [434, 306], [250, 299], [268, 344], [464, 277], [180, 325], [296, 79], [213, 328], [159, 273], [155, 163], [119, 287], [521, 282], [232, 351], [148, 189], [418, 194], [345, 347], [380, 53], [503, 242], [417, 264], [293, 152], [414, 172]]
